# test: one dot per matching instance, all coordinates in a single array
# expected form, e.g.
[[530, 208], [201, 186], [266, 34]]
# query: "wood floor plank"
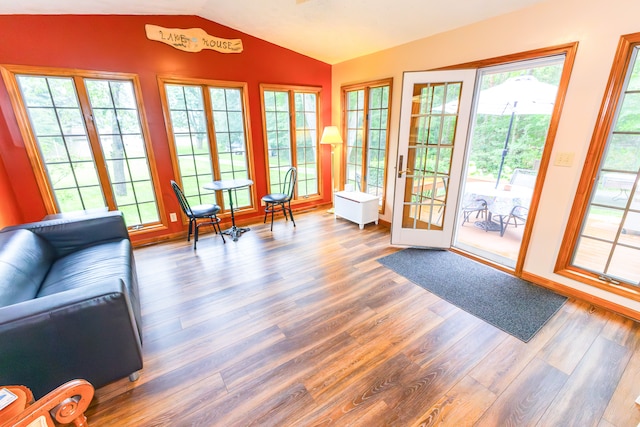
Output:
[[567, 348], [272, 411], [462, 406], [210, 352], [622, 409], [400, 318], [358, 398], [525, 401], [302, 326], [623, 331], [144, 405], [422, 389], [605, 423], [498, 370], [375, 347], [438, 341], [231, 326], [297, 342], [584, 398]]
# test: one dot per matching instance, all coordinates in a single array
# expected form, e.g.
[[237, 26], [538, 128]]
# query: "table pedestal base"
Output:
[[488, 225], [235, 232]]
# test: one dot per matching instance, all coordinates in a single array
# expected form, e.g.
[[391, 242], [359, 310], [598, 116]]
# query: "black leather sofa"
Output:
[[69, 303]]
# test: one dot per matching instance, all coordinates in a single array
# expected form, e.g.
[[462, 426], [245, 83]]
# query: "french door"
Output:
[[434, 117]]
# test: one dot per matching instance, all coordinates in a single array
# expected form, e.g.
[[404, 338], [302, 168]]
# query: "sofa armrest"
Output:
[[67, 235], [66, 404], [89, 332]]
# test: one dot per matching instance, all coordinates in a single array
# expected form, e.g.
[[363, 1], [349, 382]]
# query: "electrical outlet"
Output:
[[173, 217], [564, 159]]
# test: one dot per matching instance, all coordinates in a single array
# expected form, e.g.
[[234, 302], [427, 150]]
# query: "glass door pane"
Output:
[[512, 113], [431, 140]]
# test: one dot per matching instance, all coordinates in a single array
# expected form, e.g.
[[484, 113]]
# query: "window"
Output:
[[284, 109], [367, 112], [207, 127], [604, 243], [86, 141]]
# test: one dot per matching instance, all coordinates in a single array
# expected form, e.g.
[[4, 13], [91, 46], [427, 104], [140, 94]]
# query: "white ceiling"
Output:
[[328, 30]]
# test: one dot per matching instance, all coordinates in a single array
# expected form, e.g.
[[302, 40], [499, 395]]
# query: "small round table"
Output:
[[230, 185], [500, 202]]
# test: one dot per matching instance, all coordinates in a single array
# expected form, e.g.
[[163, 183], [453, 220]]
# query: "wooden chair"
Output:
[[64, 405]]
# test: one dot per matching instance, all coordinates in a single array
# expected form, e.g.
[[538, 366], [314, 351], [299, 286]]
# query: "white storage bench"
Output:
[[361, 208]]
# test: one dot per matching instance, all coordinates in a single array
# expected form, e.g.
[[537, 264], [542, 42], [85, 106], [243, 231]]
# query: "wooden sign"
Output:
[[192, 39]]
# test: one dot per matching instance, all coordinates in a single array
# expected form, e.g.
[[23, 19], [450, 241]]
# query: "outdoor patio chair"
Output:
[[518, 216], [474, 205], [524, 178]]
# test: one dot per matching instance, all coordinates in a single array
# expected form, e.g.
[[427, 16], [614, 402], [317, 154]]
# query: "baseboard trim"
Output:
[[584, 296]]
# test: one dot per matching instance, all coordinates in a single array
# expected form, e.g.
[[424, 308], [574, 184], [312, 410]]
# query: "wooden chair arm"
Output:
[[66, 404]]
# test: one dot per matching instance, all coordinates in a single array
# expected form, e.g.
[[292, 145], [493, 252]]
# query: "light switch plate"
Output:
[[564, 159]]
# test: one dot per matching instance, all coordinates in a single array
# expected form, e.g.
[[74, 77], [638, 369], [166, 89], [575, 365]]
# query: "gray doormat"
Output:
[[516, 306]]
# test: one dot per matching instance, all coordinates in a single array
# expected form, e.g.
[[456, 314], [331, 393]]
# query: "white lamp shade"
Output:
[[331, 135]]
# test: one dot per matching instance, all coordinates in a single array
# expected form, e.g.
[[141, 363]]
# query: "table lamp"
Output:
[[331, 135]]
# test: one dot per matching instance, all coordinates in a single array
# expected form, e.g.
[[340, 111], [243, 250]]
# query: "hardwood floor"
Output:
[[302, 327]]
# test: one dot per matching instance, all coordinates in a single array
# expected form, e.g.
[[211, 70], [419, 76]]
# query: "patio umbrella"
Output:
[[519, 95]]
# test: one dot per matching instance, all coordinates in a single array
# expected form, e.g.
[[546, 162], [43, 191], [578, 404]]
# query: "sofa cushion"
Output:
[[25, 259], [90, 265]]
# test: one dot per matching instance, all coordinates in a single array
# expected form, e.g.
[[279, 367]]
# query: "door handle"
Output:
[[404, 171], [400, 171]]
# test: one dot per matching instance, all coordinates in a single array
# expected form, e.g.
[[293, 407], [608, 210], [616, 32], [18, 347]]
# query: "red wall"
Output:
[[118, 43], [9, 213]]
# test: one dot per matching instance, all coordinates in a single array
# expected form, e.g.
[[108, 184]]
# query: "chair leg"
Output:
[[272, 209], [503, 226], [191, 223], [195, 236], [465, 217], [291, 214], [217, 224], [284, 207]]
